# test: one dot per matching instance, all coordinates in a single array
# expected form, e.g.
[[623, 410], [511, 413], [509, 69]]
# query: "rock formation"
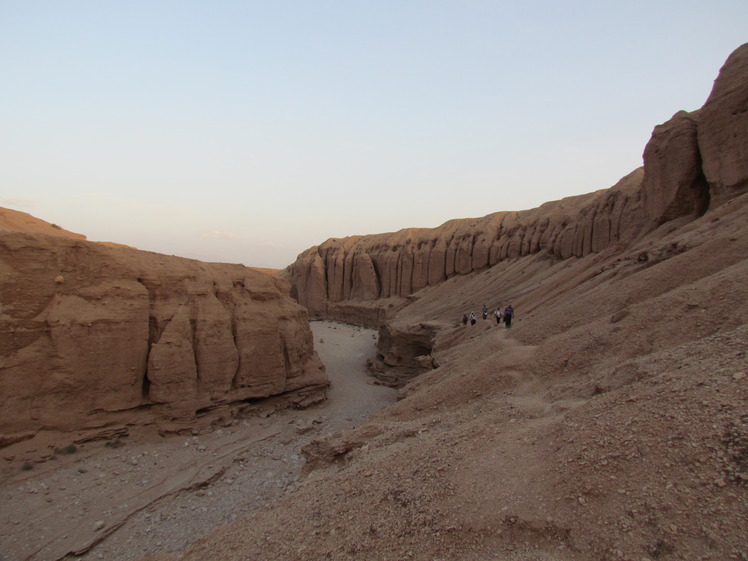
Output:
[[396, 265], [95, 335], [692, 163], [608, 423]]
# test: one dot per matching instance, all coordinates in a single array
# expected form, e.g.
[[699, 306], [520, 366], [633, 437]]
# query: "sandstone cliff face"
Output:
[[723, 129], [383, 266], [692, 163], [95, 335]]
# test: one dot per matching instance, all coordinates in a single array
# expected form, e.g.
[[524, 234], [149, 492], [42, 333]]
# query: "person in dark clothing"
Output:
[[473, 319], [508, 315], [464, 319], [485, 311]]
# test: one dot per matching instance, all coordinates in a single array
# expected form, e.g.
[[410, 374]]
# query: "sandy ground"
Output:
[[125, 497]]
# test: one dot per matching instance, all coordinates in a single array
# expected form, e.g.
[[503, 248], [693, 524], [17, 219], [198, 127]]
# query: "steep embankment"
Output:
[[97, 336], [694, 162], [609, 423]]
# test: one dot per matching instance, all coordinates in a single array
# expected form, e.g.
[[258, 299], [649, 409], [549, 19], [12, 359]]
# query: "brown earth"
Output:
[[610, 422]]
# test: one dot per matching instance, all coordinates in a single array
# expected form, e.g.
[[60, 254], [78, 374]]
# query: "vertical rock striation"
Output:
[[693, 162], [95, 334], [385, 266]]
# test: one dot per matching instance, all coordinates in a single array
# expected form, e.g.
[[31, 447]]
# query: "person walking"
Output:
[[508, 315], [473, 318], [485, 311], [497, 315]]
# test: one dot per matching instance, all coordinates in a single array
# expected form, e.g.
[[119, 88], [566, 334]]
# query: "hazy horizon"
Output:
[[247, 132]]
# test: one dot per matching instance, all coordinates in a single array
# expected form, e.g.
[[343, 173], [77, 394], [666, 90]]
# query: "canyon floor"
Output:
[[127, 495], [608, 424]]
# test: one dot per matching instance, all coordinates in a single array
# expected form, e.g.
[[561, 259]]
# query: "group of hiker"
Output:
[[505, 316]]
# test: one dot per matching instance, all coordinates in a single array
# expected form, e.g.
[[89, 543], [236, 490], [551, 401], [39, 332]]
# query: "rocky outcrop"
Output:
[[674, 183], [692, 163], [723, 129], [404, 353], [95, 335]]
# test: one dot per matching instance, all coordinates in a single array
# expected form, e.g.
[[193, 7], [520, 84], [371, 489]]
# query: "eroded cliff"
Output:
[[96, 335], [692, 163]]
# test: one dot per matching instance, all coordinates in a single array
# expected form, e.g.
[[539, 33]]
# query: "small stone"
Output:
[[98, 525], [739, 376], [720, 482], [59, 279]]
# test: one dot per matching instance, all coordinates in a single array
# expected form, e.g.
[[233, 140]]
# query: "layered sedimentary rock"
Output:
[[692, 163], [383, 266], [93, 334]]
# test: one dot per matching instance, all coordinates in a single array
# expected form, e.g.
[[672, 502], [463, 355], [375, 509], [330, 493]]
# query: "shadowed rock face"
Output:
[[692, 163], [94, 335], [723, 129], [363, 268]]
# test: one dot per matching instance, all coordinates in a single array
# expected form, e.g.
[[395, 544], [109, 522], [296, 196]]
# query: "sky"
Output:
[[249, 131]]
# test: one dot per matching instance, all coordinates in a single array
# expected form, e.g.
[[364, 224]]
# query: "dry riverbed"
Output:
[[123, 498]]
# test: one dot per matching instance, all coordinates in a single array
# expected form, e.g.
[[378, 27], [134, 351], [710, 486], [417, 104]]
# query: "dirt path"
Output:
[[156, 494]]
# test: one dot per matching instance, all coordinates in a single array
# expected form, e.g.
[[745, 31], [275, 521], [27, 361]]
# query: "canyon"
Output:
[[693, 162], [609, 423]]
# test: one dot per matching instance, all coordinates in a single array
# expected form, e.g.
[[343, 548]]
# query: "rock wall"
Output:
[[404, 352], [692, 163], [396, 265], [94, 335]]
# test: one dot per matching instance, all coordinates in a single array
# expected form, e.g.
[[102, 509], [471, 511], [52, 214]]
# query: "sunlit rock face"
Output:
[[692, 163], [94, 334]]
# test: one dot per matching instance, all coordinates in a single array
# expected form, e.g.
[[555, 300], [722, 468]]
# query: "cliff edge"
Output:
[[96, 335], [694, 162]]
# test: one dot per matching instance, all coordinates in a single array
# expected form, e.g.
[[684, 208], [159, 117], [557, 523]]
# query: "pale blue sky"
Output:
[[249, 131]]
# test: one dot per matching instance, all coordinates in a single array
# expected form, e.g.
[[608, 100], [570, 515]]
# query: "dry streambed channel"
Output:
[[123, 498]]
